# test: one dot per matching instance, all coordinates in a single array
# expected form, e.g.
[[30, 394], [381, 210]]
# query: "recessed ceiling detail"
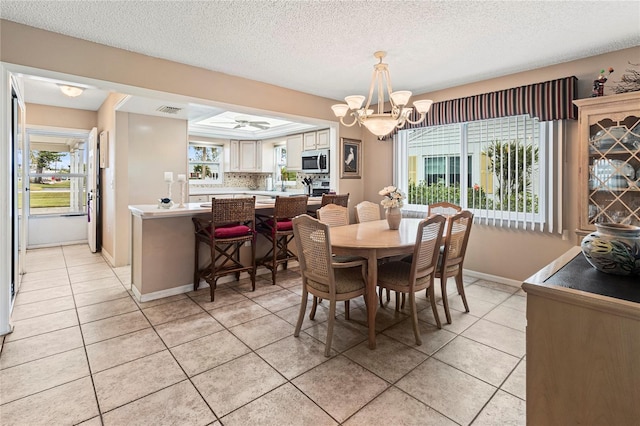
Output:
[[234, 120]]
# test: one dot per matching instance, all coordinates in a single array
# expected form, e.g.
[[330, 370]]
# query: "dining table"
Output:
[[374, 240]]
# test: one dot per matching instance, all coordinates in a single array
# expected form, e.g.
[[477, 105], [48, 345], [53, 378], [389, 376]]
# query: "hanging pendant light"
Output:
[[381, 123]]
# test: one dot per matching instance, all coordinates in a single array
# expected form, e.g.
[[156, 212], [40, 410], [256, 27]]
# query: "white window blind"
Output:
[[505, 170]]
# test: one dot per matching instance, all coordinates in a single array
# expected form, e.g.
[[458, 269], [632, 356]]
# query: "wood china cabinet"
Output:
[[610, 160]]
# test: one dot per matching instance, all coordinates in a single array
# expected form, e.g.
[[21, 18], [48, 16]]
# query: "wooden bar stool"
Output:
[[339, 199], [277, 228], [232, 224]]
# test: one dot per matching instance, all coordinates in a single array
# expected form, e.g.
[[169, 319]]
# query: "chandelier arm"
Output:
[[355, 120], [389, 89], [374, 78], [381, 92], [419, 120]]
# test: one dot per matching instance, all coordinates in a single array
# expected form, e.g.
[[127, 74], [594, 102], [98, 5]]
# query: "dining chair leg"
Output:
[[346, 310], [380, 297], [312, 314], [434, 308], [388, 295], [303, 308], [332, 315], [460, 285], [445, 299], [414, 317]]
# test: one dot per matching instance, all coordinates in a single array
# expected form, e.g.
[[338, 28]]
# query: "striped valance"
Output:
[[550, 100]]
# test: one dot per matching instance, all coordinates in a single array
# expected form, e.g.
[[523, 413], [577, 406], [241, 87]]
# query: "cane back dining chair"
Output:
[[232, 224], [321, 276], [444, 208], [367, 211], [409, 278], [277, 228], [333, 215], [452, 257]]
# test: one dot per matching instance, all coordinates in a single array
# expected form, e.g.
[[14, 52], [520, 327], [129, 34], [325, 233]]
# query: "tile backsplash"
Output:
[[247, 180]]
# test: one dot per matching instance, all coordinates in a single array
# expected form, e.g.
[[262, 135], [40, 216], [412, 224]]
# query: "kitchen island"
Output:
[[163, 247]]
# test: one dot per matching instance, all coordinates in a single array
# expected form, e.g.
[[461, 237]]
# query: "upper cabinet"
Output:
[[246, 156], [610, 160], [294, 152], [316, 140]]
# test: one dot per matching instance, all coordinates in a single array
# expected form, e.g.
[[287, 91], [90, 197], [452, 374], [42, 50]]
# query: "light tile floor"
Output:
[[84, 351]]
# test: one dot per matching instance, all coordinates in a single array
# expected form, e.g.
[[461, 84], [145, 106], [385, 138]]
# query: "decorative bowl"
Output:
[[613, 248]]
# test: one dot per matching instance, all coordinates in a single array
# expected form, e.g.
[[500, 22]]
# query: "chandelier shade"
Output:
[[381, 123]]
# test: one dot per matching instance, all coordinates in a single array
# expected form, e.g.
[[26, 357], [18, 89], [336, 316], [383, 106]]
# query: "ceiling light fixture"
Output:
[[71, 91], [382, 123]]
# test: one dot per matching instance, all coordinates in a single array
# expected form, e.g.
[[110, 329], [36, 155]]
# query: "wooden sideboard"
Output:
[[583, 345]]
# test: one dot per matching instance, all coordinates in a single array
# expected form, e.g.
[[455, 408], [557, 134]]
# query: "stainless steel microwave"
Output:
[[315, 161]]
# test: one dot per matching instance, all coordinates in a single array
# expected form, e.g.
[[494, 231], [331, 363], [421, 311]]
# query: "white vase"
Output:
[[394, 215]]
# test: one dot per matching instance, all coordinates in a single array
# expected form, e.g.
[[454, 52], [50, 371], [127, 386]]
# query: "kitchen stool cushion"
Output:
[[232, 231]]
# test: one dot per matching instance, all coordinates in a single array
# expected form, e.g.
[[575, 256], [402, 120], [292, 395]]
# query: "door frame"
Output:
[[60, 220]]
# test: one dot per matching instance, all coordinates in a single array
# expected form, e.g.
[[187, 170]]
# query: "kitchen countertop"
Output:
[[152, 211]]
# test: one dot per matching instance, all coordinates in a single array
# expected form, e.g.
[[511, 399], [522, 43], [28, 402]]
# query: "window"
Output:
[[283, 176], [57, 175], [205, 162], [509, 176]]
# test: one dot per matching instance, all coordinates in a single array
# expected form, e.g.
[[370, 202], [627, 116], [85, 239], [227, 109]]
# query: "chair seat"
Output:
[[232, 231], [345, 259], [281, 225], [397, 274], [347, 281]]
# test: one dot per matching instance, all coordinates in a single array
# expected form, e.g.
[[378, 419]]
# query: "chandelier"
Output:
[[381, 123]]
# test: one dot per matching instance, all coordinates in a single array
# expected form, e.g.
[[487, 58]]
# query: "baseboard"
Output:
[[107, 256], [65, 243], [494, 278]]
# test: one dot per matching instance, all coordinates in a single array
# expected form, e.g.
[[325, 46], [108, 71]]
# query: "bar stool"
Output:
[[277, 228], [232, 224], [339, 199]]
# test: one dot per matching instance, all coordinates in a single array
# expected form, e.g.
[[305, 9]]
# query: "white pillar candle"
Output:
[[182, 178], [168, 176]]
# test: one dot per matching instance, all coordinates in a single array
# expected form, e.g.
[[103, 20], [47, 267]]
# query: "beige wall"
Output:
[[112, 181], [68, 118], [505, 252]]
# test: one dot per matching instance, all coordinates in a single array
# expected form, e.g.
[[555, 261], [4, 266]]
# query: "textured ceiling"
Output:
[[326, 47]]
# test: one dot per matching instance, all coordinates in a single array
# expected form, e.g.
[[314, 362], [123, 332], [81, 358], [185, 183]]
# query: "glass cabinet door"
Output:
[[614, 171]]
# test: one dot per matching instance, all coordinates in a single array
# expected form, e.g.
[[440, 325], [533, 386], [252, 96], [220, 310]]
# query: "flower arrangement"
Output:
[[392, 197]]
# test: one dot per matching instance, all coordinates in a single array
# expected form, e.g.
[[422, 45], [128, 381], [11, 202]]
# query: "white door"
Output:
[[92, 190]]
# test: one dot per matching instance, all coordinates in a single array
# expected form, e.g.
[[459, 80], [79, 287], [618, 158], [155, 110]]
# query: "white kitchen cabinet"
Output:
[[309, 141], [316, 140], [322, 139], [294, 152], [246, 156]]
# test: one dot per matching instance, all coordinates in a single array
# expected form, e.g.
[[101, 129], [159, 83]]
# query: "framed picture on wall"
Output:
[[350, 158]]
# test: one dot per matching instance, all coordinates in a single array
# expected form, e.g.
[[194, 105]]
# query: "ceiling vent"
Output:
[[169, 109]]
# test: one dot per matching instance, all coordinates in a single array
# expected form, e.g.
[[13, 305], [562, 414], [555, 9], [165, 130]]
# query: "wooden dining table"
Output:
[[374, 240]]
